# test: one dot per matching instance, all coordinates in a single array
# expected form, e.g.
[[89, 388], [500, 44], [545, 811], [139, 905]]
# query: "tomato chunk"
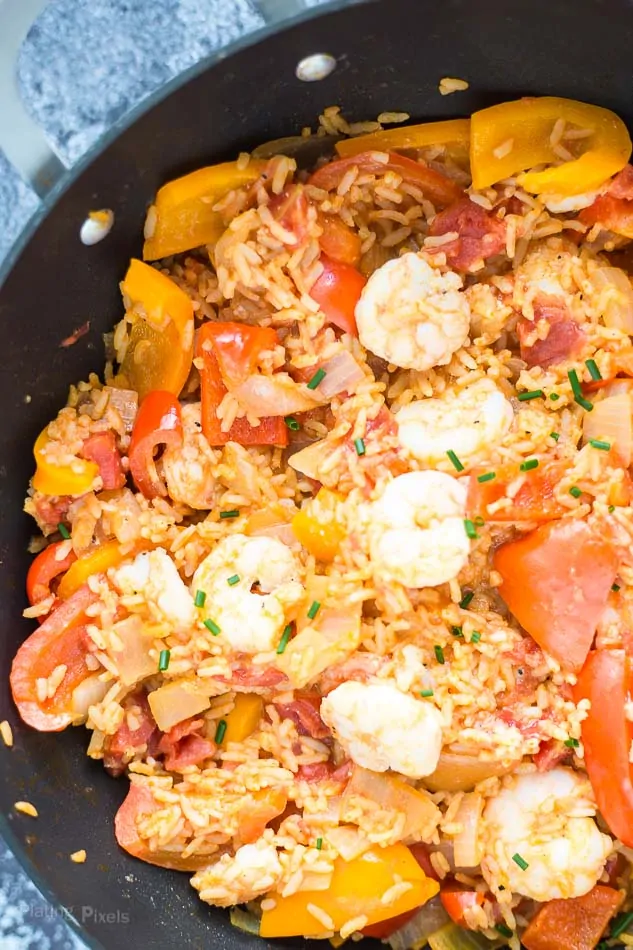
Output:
[[556, 582], [338, 241], [573, 924], [534, 501], [158, 423], [337, 291], [606, 680]]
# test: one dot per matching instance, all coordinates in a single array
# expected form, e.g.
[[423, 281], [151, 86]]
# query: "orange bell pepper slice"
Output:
[[321, 536], [51, 479], [356, 890], [514, 136], [97, 561], [243, 719], [160, 350], [454, 133], [258, 809], [183, 215]]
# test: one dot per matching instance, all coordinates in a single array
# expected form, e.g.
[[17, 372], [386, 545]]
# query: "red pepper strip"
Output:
[[158, 423], [237, 348], [44, 569], [337, 291]]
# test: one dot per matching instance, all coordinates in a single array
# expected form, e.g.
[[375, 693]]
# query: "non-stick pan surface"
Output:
[[391, 55]]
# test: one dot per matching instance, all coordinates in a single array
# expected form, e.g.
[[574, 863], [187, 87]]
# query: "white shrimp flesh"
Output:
[[154, 575], [252, 871], [189, 468]]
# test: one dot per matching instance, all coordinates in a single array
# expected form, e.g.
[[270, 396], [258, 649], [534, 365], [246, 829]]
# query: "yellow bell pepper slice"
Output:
[[182, 217], [316, 527], [454, 133], [160, 350], [514, 136], [243, 719], [356, 890], [51, 479], [97, 561]]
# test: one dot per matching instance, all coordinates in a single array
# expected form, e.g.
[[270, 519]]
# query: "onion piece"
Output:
[[272, 522], [245, 921], [612, 419], [309, 460], [277, 395], [393, 794], [332, 636], [615, 297], [125, 401], [172, 703], [457, 772], [342, 374], [467, 847], [348, 841], [415, 933], [133, 661], [88, 693]]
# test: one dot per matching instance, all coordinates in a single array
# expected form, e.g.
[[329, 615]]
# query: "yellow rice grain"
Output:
[[78, 857], [26, 808], [6, 733]]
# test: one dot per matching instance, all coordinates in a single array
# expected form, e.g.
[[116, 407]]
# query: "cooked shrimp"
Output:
[[416, 533], [154, 575], [382, 728], [551, 268], [468, 422], [540, 838], [253, 870], [412, 315], [189, 469], [250, 622], [567, 204]]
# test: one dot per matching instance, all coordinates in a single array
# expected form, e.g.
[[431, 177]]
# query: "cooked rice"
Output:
[[448, 85], [78, 857], [6, 733], [26, 808]]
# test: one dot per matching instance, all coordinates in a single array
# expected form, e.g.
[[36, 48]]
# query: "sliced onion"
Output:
[[428, 920], [277, 395], [133, 661], [457, 772], [348, 841], [393, 794], [89, 692], [612, 420], [467, 849], [125, 401], [172, 703], [616, 296], [245, 921], [272, 522], [332, 637], [309, 460], [342, 374]]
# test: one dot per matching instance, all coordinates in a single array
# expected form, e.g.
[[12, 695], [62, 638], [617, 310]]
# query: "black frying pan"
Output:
[[391, 55]]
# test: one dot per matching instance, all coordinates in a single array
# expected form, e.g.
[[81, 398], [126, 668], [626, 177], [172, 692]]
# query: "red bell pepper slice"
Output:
[[44, 569], [337, 291], [158, 423]]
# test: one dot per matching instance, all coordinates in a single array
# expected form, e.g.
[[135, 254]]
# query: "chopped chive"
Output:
[[475, 637], [359, 445], [599, 444], [576, 388], [163, 660], [532, 394], [456, 463], [479, 521], [439, 654], [504, 930], [213, 627], [315, 606], [457, 631], [487, 477], [426, 693], [470, 528], [200, 598], [571, 743], [522, 863], [615, 588], [555, 436], [594, 372], [466, 599], [283, 643], [63, 530], [586, 405], [575, 491], [554, 397], [233, 513], [292, 423], [318, 377], [528, 465], [220, 731], [319, 843], [611, 509], [621, 923], [233, 580]]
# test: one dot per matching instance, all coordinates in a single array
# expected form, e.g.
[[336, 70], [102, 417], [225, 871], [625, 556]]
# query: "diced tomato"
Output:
[[45, 568], [291, 209], [258, 809], [551, 754], [456, 901], [573, 924], [237, 348], [564, 340], [439, 189], [61, 639], [304, 712], [534, 501], [101, 448], [556, 581], [606, 680], [140, 803], [337, 291], [272, 430], [158, 424], [481, 234], [338, 241]]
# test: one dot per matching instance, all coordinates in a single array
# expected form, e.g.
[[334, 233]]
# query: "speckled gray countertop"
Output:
[[85, 63]]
